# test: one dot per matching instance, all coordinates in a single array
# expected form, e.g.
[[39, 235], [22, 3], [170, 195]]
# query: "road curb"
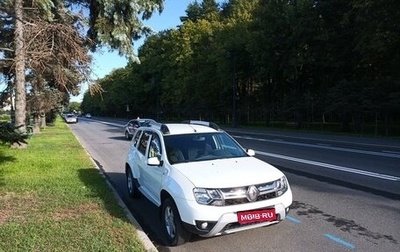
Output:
[[148, 244], [142, 235]]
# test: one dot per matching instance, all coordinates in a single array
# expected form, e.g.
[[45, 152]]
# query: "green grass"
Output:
[[52, 198]]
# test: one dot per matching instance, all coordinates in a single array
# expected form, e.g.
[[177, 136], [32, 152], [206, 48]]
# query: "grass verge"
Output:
[[52, 198]]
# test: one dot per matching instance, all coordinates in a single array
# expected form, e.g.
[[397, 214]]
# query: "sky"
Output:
[[105, 62]]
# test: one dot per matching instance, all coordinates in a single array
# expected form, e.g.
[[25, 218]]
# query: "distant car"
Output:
[[71, 118], [131, 127], [88, 115]]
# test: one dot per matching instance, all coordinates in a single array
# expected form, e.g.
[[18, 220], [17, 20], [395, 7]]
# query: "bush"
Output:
[[10, 135]]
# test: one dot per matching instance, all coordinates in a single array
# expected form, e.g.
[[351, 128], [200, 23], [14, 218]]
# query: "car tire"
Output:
[[175, 233], [132, 185]]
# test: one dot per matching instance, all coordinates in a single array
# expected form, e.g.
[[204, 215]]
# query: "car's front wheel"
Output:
[[175, 233], [132, 185]]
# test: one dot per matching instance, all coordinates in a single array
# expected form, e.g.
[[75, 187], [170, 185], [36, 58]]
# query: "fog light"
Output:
[[204, 226]]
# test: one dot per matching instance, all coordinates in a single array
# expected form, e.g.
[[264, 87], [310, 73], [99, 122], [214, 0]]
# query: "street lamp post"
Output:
[[127, 111]]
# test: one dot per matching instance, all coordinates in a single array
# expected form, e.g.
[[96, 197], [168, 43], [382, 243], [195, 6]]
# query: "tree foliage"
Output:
[[302, 62], [10, 135], [119, 23], [44, 47]]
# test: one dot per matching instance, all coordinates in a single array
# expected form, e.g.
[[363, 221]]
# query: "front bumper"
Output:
[[208, 221]]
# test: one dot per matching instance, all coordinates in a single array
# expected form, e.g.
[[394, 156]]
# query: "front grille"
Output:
[[266, 196], [230, 202], [236, 196]]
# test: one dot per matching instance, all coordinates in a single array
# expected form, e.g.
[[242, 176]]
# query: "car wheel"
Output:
[[132, 185], [175, 233]]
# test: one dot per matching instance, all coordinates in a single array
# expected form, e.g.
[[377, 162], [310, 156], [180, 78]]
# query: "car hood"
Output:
[[232, 172]]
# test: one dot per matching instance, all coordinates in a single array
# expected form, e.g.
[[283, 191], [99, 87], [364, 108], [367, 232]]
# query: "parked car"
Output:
[[71, 118], [131, 127], [203, 181], [88, 115]]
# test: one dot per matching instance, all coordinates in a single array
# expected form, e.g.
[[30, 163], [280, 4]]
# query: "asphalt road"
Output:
[[346, 191], [369, 164]]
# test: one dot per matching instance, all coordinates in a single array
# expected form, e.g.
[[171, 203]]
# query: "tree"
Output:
[[20, 52], [309, 62], [75, 107], [112, 23]]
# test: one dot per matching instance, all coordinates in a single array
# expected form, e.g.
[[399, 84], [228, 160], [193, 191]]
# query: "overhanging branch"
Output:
[[6, 49]]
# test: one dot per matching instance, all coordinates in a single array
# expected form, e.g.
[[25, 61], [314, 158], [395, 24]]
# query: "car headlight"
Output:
[[208, 196], [281, 186]]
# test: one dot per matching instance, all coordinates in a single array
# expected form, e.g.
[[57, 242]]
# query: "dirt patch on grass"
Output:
[[5, 215], [16, 206], [76, 211], [21, 207]]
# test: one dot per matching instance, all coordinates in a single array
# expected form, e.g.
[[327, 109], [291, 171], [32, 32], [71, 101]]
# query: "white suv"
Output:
[[203, 181]]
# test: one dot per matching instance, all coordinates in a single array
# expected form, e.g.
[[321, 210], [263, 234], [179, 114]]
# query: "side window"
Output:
[[155, 147], [135, 139], [143, 142]]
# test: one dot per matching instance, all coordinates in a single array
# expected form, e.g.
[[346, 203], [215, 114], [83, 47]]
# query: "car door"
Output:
[[141, 159], [152, 174], [133, 154]]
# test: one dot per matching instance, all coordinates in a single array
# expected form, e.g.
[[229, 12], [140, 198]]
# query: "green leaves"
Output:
[[117, 23], [274, 60], [10, 135]]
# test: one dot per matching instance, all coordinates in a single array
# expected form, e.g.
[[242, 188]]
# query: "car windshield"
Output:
[[202, 146]]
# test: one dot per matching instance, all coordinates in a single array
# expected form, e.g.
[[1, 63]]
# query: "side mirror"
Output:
[[251, 152], [154, 161]]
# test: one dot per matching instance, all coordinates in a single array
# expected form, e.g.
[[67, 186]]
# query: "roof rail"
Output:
[[204, 123], [162, 127]]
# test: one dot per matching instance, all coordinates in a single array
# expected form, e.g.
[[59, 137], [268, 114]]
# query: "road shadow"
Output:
[[144, 212], [115, 130], [119, 138], [345, 184]]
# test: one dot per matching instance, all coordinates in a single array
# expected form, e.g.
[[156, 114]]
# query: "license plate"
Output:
[[256, 216]]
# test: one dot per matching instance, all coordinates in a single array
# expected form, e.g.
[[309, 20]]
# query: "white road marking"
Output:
[[381, 154], [333, 167]]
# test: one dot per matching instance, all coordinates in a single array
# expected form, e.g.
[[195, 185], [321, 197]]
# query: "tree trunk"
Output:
[[42, 119], [36, 123], [20, 92]]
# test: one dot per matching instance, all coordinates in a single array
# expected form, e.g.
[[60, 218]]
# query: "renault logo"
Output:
[[252, 193]]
